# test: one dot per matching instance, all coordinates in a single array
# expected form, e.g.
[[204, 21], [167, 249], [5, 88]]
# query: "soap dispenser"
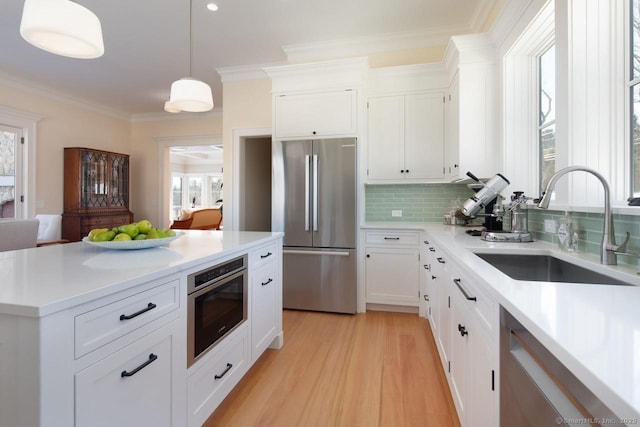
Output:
[[568, 233]]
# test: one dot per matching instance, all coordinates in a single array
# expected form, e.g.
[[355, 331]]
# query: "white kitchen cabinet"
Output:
[[392, 267], [133, 386], [266, 299], [471, 111], [471, 360], [215, 375], [406, 138], [315, 114]]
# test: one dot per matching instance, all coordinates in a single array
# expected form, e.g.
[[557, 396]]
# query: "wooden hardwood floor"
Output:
[[369, 369]]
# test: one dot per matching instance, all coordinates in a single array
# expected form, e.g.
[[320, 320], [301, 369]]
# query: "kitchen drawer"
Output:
[[389, 238], [106, 221], [132, 386], [265, 309], [482, 307], [262, 255], [102, 325], [217, 374]]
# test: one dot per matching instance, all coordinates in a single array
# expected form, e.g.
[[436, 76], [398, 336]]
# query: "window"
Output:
[[547, 115], [634, 96], [195, 191], [176, 196]]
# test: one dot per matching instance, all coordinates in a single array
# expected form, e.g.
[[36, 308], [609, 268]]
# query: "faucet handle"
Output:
[[621, 248]]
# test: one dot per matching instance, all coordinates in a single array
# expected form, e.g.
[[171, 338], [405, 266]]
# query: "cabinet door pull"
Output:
[[466, 295], [152, 358], [150, 306], [217, 377], [267, 282], [440, 260], [266, 256], [391, 238], [462, 329], [432, 249]]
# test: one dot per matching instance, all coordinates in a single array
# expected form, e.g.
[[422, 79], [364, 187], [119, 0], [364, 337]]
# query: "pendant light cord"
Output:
[[190, 38]]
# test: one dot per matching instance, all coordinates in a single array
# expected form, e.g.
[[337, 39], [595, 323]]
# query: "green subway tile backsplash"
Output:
[[429, 202], [418, 202]]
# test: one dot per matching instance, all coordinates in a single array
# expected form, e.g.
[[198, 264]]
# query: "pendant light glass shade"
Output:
[[62, 27], [188, 94]]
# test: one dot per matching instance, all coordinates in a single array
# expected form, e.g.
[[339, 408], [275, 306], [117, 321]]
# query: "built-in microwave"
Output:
[[217, 304]]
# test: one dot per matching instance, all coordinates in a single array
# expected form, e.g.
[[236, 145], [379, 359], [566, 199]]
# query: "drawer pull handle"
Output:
[[150, 306], [152, 358], [466, 295], [432, 249], [391, 238], [440, 260], [217, 377], [267, 282], [266, 256]]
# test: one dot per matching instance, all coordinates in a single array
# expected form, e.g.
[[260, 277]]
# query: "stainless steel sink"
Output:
[[546, 268]]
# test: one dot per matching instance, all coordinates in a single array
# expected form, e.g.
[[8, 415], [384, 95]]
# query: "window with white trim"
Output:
[[634, 95]]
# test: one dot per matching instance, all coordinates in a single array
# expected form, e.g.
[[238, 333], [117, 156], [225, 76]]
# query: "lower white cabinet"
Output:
[[392, 267], [466, 338], [133, 386], [216, 375]]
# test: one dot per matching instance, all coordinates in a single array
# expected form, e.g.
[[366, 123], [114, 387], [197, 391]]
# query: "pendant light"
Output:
[[189, 94], [62, 27]]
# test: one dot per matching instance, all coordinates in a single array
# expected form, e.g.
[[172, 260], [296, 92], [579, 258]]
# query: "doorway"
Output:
[[254, 183]]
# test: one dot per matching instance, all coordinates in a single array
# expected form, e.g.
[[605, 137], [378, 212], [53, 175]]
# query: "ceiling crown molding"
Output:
[[39, 89], [363, 46], [244, 72]]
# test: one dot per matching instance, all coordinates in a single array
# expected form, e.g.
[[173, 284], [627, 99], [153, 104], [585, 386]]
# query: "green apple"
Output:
[[93, 233], [120, 237], [144, 226], [105, 236], [131, 229], [153, 234], [169, 232], [140, 236]]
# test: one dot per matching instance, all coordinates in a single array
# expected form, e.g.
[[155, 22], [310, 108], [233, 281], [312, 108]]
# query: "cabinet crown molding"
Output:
[[344, 73]]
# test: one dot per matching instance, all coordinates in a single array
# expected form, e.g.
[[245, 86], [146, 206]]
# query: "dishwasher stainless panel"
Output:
[[536, 389]]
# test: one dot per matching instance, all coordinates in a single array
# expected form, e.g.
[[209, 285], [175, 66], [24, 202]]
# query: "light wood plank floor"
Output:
[[369, 369]]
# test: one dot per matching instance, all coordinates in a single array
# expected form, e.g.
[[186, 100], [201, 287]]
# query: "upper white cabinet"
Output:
[[406, 137], [317, 100], [471, 111], [406, 124], [315, 114]]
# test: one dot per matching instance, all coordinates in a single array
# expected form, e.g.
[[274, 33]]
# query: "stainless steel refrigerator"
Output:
[[314, 204]]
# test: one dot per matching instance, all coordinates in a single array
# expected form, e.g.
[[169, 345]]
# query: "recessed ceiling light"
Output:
[[212, 7]]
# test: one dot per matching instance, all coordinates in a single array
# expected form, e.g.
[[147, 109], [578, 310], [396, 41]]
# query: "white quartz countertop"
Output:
[[40, 281], [593, 329]]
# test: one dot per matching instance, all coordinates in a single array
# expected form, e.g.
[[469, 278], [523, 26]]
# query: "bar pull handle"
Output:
[[440, 260], [307, 177], [149, 307], [391, 238], [316, 186], [152, 358], [466, 295], [267, 282], [217, 377], [266, 256]]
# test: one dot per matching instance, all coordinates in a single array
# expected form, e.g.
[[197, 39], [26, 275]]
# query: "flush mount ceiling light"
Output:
[[189, 94], [62, 27]]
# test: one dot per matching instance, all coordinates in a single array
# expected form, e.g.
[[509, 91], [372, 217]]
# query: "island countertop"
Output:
[[40, 281]]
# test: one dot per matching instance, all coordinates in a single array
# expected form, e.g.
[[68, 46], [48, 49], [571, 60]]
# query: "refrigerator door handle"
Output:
[[299, 252], [307, 175], [315, 192]]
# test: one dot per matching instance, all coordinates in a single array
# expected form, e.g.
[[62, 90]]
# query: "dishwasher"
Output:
[[538, 390]]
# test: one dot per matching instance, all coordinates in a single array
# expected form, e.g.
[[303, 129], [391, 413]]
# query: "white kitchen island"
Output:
[[63, 346]]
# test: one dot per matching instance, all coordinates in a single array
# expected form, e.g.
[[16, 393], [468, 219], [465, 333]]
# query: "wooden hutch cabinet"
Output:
[[96, 191]]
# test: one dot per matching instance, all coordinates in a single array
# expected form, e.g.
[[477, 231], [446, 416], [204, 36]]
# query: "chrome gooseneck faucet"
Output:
[[608, 247]]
